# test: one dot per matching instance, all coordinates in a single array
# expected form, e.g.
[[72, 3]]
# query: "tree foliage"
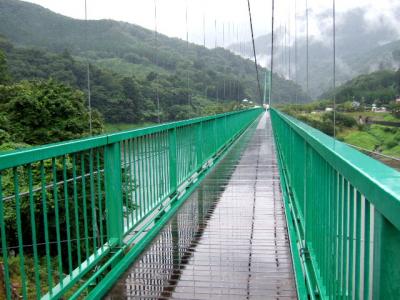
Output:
[[4, 76], [379, 87], [40, 112], [117, 50]]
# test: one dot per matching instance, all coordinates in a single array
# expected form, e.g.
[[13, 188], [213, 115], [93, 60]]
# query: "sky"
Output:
[[223, 21]]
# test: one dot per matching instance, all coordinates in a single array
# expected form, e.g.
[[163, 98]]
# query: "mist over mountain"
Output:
[[130, 50], [363, 45]]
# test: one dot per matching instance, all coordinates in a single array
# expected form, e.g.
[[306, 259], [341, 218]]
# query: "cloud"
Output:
[[232, 15]]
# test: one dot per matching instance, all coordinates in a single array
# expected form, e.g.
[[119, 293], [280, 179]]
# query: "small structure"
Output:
[[327, 109], [378, 109]]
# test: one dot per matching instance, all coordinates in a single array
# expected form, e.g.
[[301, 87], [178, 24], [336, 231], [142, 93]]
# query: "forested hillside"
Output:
[[129, 69], [380, 87], [41, 111], [360, 49]]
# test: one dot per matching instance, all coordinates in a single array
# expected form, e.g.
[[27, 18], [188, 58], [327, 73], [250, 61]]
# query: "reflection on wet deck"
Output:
[[228, 241]]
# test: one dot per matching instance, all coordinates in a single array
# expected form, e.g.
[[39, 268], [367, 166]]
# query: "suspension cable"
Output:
[[156, 58], [272, 52], [187, 49], [215, 46], [285, 50], [216, 33], [266, 79], [223, 46], [334, 66], [265, 85], [307, 54], [89, 97], [204, 30], [204, 45], [295, 50], [237, 41], [254, 50], [289, 40]]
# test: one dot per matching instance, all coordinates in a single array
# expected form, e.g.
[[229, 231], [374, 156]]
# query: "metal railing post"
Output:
[[225, 128], [113, 189], [215, 136], [173, 184], [199, 144]]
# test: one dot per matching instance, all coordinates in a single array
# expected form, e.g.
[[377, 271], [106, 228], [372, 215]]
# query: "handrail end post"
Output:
[[113, 188]]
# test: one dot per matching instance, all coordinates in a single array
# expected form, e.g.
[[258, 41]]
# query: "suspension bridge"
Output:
[[250, 204]]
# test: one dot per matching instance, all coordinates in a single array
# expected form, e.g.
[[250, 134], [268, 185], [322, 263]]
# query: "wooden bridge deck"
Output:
[[228, 241]]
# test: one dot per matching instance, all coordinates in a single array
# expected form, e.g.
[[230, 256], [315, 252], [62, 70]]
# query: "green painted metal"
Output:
[[172, 151], [162, 218], [292, 230], [345, 209], [74, 209], [113, 191]]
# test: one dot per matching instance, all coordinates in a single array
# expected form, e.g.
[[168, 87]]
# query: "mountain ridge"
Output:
[[359, 49], [129, 49]]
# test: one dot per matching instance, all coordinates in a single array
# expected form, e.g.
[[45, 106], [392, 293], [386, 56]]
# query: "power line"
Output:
[[254, 50]]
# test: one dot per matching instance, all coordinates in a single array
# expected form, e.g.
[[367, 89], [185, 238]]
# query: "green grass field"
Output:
[[359, 138], [378, 116], [375, 137]]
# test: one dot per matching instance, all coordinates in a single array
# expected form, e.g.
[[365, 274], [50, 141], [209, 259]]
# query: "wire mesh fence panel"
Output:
[[66, 208], [345, 208]]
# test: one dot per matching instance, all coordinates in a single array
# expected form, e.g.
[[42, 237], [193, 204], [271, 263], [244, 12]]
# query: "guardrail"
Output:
[[69, 211], [344, 213]]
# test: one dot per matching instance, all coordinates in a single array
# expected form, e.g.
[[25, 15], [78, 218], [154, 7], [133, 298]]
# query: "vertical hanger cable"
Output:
[[89, 96], [272, 53]]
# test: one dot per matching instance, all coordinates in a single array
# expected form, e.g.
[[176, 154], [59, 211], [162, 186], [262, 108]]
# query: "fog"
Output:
[[229, 16]]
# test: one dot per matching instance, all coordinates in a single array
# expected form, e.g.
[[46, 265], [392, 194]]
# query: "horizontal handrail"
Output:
[[74, 208], [9, 159], [379, 183], [345, 209]]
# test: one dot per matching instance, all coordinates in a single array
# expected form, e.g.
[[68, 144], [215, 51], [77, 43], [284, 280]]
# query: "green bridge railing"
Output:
[[343, 213], [70, 211]]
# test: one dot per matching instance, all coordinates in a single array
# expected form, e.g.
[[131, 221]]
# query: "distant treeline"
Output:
[[381, 87]]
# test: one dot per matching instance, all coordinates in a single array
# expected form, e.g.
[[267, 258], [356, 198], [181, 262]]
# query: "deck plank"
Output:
[[228, 241]]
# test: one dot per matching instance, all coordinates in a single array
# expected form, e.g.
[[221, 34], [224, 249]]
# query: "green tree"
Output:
[[395, 109], [4, 76], [41, 112]]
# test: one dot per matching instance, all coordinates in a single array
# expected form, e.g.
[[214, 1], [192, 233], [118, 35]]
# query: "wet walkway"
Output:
[[228, 241]]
